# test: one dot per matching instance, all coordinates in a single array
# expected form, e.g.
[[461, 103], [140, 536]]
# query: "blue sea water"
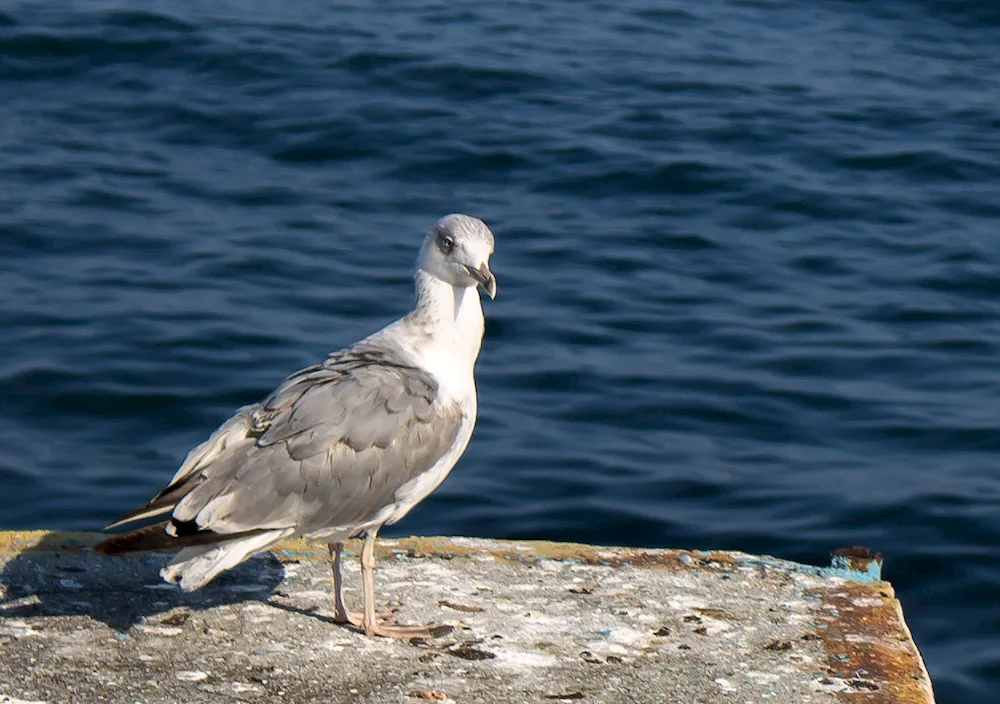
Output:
[[748, 256]]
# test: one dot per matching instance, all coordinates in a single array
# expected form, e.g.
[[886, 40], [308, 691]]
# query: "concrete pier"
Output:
[[530, 622]]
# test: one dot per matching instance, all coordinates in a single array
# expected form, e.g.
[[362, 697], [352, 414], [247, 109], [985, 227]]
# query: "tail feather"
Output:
[[194, 567], [155, 538], [203, 554]]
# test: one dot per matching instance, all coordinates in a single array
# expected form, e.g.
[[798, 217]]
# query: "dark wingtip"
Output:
[[147, 511]]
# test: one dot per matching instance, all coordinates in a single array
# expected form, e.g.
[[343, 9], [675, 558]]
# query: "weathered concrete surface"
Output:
[[533, 622]]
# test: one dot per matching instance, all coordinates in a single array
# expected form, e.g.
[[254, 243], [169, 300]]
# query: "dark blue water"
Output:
[[748, 253]]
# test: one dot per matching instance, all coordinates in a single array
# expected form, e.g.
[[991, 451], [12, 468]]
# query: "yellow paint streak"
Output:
[[17, 541], [14, 542]]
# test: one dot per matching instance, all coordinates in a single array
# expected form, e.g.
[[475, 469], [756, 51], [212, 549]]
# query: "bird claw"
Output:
[[407, 632], [357, 619], [385, 628]]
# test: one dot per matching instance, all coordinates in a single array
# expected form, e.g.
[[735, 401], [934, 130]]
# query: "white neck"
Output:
[[447, 328]]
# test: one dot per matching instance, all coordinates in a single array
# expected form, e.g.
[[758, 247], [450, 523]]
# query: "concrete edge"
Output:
[[859, 620], [528, 551]]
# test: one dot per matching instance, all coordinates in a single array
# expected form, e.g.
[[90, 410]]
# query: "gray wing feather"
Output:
[[329, 447]]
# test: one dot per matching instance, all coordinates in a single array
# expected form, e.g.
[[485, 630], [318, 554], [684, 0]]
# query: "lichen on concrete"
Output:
[[531, 622]]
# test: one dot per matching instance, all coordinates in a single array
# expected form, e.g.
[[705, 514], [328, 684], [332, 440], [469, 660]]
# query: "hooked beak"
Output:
[[484, 277]]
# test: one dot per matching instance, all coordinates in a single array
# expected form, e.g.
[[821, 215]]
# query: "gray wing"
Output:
[[329, 447]]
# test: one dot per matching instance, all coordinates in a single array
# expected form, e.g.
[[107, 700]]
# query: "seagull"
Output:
[[341, 448]]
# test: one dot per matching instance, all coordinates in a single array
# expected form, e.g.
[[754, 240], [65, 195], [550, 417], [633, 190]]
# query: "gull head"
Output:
[[457, 251]]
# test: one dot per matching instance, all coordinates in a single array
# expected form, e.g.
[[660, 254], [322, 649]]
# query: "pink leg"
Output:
[[371, 625], [340, 612]]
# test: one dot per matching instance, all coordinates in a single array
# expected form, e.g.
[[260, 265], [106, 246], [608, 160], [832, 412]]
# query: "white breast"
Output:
[[445, 342]]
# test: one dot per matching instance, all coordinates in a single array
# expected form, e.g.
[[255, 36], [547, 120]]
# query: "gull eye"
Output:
[[446, 243]]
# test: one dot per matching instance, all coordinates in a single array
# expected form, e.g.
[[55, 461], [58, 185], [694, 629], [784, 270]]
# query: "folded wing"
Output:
[[329, 447]]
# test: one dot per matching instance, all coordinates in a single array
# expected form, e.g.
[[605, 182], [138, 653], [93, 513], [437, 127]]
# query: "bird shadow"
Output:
[[61, 576]]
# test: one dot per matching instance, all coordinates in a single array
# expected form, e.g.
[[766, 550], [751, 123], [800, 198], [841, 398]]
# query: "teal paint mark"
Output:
[[293, 554], [841, 567]]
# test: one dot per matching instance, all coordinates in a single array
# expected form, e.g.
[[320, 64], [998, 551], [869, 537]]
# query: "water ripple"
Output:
[[747, 256]]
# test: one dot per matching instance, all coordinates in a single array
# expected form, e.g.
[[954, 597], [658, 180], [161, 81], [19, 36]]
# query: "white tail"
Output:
[[195, 567]]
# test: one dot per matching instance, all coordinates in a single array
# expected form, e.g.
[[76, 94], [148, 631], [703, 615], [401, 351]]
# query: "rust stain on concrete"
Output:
[[869, 648]]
